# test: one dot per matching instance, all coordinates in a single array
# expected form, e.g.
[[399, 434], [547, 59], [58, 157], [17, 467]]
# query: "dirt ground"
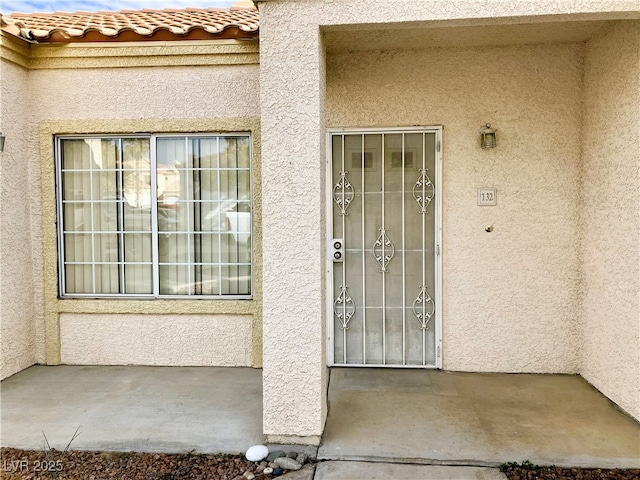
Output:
[[80, 465], [16, 464], [528, 471]]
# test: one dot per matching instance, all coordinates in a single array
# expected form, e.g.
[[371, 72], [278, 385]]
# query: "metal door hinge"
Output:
[[438, 250], [438, 145], [438, 352]]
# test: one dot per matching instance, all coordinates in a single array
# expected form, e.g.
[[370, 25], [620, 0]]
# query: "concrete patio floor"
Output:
[[147, 409], [436, 417], [393, 471], [375, 415]]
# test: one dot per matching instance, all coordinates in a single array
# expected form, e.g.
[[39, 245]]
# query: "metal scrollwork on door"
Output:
[[423, 307], [383, 251], [424, 190], [343, 193], [344, 307]]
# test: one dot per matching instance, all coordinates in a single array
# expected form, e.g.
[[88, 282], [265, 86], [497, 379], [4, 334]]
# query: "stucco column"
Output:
[[293, 175]]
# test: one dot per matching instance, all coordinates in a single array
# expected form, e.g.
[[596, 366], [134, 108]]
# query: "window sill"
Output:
[[158, 306]]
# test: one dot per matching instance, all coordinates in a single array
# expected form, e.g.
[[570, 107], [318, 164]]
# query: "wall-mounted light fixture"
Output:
[[488, 137], [1, 142]]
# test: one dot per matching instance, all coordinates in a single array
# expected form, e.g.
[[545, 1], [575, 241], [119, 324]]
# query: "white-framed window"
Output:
[[154, 215]]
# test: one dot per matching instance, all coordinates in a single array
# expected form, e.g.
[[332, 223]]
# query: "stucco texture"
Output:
[[150, 93], [171, 340], [294, 368], [126, 100], [17, 314], [510, 297], [297, 13], [611, 216]]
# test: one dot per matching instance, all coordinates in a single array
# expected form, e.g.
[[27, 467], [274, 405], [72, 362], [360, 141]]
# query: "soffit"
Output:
[[132, 26], [411, 37]]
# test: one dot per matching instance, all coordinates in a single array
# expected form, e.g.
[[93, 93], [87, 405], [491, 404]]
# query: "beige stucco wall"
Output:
[[149, 93], [200, 340], [307, 13], [538, 213], [510, 297], [184, 315], [536, 169], [292, 98], [92, 99], [17, 314], [611, 216]]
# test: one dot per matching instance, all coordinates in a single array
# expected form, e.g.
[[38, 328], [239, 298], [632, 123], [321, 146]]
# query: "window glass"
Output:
[[106, 210], [192, 237]]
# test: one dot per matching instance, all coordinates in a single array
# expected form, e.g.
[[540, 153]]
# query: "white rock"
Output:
[[268, 470], [257, 453]]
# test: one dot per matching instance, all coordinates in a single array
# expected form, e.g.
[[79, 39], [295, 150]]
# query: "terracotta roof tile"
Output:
[[134, 25]]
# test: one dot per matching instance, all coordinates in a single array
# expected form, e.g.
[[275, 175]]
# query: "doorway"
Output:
[[384, 250]]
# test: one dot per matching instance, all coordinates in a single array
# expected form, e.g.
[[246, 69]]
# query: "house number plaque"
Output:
[[487, 196]]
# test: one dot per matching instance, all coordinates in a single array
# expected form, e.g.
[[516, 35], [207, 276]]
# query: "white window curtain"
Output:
[[204, 215], [106, 205], [202, 206]]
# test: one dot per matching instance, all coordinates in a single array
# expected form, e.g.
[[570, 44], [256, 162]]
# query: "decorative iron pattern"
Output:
[[343, 193], [424, 190], [423, 307], [383, 250], [344, 307]]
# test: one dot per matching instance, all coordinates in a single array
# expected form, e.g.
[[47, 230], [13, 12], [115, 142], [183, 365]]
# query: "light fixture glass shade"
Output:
[[488, 137]]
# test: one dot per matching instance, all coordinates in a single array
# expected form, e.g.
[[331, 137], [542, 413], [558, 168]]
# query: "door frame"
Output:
[[437, 129]]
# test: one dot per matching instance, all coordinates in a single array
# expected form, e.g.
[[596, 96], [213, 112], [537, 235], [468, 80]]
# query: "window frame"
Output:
[[155, 233]]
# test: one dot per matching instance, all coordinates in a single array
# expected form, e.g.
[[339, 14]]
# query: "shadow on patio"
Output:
[[427, 416], [147, 409]]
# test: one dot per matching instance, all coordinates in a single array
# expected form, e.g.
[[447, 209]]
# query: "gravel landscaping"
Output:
[[528, 471], [19, 464]]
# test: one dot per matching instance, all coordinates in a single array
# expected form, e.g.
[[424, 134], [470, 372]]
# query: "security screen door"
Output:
[[384, 248]]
